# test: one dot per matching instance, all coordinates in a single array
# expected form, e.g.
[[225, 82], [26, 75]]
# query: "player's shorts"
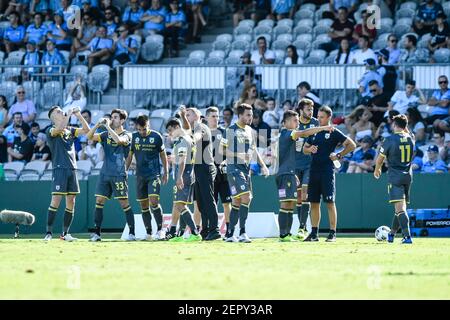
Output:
[[287, 187], [321, 185], [240, 183], [147, 186], [222, 188], [184, 195], [303, 177], [65, 182], [399, 188], [112, 186]]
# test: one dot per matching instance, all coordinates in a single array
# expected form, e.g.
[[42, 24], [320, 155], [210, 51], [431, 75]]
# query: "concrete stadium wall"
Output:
[[361, 201]]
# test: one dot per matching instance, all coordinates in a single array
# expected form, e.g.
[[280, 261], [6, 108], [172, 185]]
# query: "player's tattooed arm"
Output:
[[312, 131]]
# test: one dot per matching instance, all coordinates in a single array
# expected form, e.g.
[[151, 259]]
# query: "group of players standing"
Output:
[[211, 161]]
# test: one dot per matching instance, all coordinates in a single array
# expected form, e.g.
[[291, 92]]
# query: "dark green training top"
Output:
[[146, 150], [398, 149], [62, 149], [115, 155]]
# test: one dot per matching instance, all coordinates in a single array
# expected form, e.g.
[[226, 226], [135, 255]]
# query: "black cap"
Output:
[[370, 62], [384, 53]]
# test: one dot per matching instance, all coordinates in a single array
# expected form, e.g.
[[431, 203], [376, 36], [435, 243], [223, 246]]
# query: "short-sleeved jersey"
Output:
[[146, 151], [326, 143], [286, 152], [398, 149], [184, 147], [239, 139], [204, 150], [303, 161], [217, 135], [62, 148], [115, 155]]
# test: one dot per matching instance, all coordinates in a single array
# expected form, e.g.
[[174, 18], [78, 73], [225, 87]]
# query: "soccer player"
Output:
[[398, 149], [303, 163], [113, 176], [184, 152], [65, 183], [322, 179], [286, 178], [147, 146], [221, 186], [240, 145]]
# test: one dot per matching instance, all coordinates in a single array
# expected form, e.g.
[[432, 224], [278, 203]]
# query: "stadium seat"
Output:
[[217, 54], [85, 166], [303, 14], [236, 54], [152, 51], [157, 123], [281, 29], [323, 37], [96, 115], [47, 176], [308, 6], [79, 70], [409, 5], [199, 54], [81, 175], [279, 56], [244, 37], [406, 21], [50, 94], [303, 45], [325, 22], [385, 28], [2, 57], [446, 7], [32, 168], [66, 55], [225, 37], [280, 45], [305, 37], [442, 55], [161, 113], [138, 112], [31, 90], [286, 22], [232, 61], [302, 30], [266, 22], [318, 54], [29, 176], [285, 37], [154, 38], [14, 167], [240, 45], [15, 57], [8, 89], [221, 45], [247, 22], [401, 29], [260, 30], [242, 30], [101, 68], [405, 13], [306, 22], [98, 82], [317, 44]]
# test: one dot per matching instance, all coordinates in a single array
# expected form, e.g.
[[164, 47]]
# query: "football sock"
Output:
[[243, 214], [404, 223], [315, 230], [98, 217], [157, 213], [129, 216], [395, 225], [290, 220], [147, 218], [283, 222], [228, 229], [51, 214], [234, 217], [68, 218], [299, 212], [186, 216], [304, 214]]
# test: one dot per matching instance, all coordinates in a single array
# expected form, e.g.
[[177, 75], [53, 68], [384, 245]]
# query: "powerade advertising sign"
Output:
[[430, 222]]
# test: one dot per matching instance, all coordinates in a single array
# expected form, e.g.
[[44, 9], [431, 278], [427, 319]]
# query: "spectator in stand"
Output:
[[341, 28], [243, 9], [37, 31], [262, 129], [262, 56], [416, 125], [364, 53], [14, 35], [22, 149], [417, 162], [84, 36], [363, 157], [292, 56], [32, 57], [175, 19], [52, 57], [24, 106], [34, 132], [10, 131], [16, 6], [344, 53], [249, 95], [426, 17], [402, 100], [439, 125], [370, 75], [362, 126], [125, 47], [410, 45], [154, 19], [385, 128], [58, 33], [394, 52], [433, 164], [440, 33], [3, 113], [76, 98], [281, 9], [132, 15], [439, 101], [41, 150], [115, 9], [101, 49], [94, 11], [362, 29], [378, 103], [335, 5], [195, 8], [387, 72], [91, 150], [110, 22], [271, 116], [437, 139], [227, 117], [304, 91], [445, 153]]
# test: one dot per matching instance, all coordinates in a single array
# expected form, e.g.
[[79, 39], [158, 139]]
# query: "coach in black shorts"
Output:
[[321, 182], [65, 183]]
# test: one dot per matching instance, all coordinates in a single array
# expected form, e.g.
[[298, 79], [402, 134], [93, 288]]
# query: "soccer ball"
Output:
[[381, 234]]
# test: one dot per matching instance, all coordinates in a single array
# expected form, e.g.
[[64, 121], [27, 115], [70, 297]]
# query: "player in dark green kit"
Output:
[[286, 179], [398, 149], [147, 146], [65, 183], [113, 176], [305, 110]]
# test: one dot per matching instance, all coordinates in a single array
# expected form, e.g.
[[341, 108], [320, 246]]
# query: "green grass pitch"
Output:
[[353, 267]]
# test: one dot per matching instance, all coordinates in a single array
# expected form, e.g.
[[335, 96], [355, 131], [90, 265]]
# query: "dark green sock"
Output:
[[129, 216], [299, 213], [304, 214], [234, 218], [395, 225], [51, 214], [98, 217], [186, 216], [243, 214], [147, 218], [283, 222], [157, 213], [404, 223], [68, 218], [290, 221]]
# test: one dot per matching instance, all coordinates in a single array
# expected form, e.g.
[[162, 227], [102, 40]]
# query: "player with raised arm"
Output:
[[286, 179], [147, 146], [65, 182], [240, 145], [112, 180], [398, 149]]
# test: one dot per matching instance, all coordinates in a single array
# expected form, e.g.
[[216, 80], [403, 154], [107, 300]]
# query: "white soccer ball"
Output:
[[381, 234]]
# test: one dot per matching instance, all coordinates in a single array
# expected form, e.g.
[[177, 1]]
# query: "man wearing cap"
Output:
[[22, 149], [387, 72], [369, 75], [403, 99], [434, 164], [361, 160], [364, 52]]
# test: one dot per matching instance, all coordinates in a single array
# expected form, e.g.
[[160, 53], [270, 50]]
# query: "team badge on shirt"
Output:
[[151, 140], [327, 136]]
